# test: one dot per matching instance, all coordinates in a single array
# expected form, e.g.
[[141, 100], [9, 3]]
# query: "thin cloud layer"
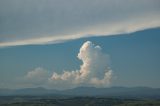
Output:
[[94, 71], [51, 21]]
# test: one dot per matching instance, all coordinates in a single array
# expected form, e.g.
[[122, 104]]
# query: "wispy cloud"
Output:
[[51, 21], [94, 71]]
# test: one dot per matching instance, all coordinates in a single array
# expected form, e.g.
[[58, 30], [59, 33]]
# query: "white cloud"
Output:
[[51, 21], [36, 77], [94, 71]]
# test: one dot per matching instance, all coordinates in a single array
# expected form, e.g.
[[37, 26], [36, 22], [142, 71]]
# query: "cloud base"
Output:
[[51, 21]]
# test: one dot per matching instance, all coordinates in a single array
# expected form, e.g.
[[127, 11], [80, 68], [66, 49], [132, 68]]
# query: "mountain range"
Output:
[[138, 92]]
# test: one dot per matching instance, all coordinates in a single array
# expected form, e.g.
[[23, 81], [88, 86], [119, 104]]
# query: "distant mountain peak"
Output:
[[88, 91]]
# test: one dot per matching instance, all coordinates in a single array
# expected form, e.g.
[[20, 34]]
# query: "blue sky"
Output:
[[53, 42], [134, 58]]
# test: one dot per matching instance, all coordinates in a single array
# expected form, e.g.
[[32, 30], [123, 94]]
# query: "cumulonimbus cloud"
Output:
[[94, 71], [51, 21]]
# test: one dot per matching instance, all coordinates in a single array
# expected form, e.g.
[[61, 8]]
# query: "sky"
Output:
[[63, 44]]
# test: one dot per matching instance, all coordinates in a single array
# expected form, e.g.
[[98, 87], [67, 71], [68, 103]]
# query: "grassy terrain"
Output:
[[75, 101]]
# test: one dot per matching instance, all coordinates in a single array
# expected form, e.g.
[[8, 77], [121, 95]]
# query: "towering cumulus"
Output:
[[94, 70]]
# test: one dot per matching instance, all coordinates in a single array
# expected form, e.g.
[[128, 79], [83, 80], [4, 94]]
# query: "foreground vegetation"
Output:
[[75, 101]]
